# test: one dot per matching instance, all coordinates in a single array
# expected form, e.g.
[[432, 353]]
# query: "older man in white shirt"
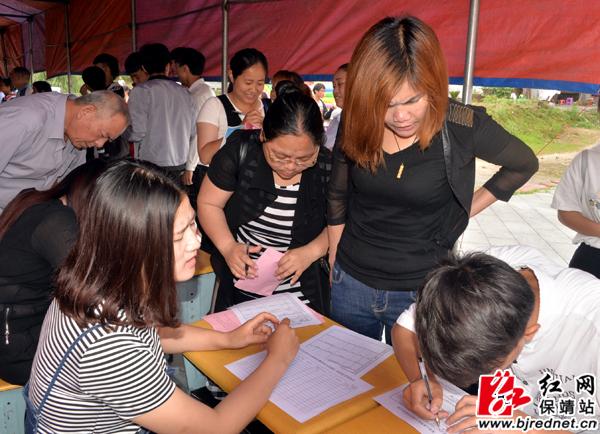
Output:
[[44, 136]]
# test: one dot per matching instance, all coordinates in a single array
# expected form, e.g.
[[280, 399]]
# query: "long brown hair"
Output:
[[75, 186], [122, 262], [393, 51]]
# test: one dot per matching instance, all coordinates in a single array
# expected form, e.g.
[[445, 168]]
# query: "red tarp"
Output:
[[518, 41]]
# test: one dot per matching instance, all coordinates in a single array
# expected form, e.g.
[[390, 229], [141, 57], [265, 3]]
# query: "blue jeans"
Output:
[[364, 309]]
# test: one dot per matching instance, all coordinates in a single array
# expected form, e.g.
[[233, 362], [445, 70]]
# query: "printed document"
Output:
[[282, 306], [347, 351], [308, 388], [393, 401]]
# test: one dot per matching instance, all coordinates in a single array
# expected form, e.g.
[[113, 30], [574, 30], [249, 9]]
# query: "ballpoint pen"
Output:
[[246, 265], [426, 380]]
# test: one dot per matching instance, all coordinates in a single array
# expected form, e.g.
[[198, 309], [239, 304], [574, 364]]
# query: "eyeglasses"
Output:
[[300, 162]]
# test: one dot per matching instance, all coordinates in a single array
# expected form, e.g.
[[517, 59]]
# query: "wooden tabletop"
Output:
[[384, 377]]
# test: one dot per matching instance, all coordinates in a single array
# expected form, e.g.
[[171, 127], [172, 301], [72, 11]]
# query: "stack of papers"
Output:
[[325, 372], [281, 305]]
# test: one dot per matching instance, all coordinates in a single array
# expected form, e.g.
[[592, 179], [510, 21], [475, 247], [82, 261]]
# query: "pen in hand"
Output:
[[426, 380]]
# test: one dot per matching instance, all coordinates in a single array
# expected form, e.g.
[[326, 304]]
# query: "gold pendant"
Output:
[[400, 170]]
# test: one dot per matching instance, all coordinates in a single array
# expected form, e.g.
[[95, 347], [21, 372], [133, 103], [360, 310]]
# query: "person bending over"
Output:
[[509, 309], [268, 189], [403, 176], [37, 231]]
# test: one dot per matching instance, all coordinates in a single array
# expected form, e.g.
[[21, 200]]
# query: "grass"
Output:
[[546, 129]]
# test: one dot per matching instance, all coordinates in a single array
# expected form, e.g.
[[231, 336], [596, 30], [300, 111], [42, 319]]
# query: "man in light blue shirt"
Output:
[[163, 115], [44, 136]]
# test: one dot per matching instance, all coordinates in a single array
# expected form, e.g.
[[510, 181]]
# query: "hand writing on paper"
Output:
[[253, 331], [253, 120], [238, 261], [294, 262], [283, 343], [416, 399]]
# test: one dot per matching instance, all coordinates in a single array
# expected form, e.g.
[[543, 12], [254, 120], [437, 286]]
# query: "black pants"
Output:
[[586, 258]]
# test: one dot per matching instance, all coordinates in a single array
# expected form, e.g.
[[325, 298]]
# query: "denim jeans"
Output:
[[364, 309]]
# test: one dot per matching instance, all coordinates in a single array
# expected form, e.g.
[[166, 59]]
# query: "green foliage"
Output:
[[76, 81], [544, 128], [498, 92]]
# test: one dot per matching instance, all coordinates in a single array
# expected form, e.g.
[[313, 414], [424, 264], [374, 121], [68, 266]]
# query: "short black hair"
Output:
[[155, 58], [21, 71], [41, 86], [293, 112], [94, 78], [7, 82], [343, 67], [470, 314], [109, 60], [133, 63], [245, 59], [194, 59], [317, 87]]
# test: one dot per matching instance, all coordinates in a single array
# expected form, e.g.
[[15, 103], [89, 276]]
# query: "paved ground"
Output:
[[526, 219]]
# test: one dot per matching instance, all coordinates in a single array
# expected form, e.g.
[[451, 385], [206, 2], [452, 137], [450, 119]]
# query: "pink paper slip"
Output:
[[224, 321], [266, 282]]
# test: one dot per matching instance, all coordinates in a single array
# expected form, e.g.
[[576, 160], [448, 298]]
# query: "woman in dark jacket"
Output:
[[403, 173], [268, 189], [37, 231]]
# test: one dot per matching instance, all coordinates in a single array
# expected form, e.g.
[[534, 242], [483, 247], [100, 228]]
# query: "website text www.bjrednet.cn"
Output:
[[526, 424]]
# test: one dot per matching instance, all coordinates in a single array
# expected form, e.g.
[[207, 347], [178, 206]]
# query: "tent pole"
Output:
[[133, 27], [4, 58], [30, 21], [68, 46], [224, 47], [467, 93]]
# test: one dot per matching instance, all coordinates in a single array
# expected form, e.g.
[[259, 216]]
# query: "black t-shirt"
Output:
[[31, 251], [399, 223]]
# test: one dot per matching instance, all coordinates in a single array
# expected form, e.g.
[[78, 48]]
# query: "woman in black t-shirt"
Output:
[[267, 189], [37, 231], [403, 173]]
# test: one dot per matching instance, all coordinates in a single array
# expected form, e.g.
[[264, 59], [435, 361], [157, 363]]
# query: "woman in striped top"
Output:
[[99, 366], [268, 189]]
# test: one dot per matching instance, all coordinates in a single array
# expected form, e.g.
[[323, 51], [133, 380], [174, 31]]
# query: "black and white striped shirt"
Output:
[[273, 228], [111, 377]]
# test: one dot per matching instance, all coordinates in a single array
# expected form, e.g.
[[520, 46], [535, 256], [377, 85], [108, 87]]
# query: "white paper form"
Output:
[[280, 305], [393, 401], [348, 351], [308, 388]]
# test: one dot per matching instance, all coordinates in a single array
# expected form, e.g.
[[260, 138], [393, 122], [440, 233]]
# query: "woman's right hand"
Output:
[[283, 344], [416, 399], [238, 260], [253, 119]]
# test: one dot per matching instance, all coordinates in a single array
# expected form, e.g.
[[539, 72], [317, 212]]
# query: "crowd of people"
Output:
[[101, 196]]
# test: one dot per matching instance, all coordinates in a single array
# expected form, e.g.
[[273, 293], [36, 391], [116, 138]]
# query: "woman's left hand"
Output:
[[253, 331], [294, 262]]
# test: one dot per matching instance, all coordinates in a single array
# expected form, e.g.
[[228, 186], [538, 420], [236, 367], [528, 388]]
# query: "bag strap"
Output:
[[243, 150], [62, 364], [233, 117]]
